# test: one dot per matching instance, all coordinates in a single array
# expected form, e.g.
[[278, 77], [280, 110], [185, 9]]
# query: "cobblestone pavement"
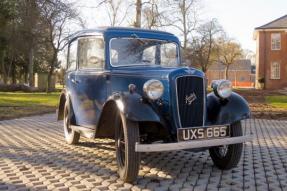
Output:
[[34, 156]]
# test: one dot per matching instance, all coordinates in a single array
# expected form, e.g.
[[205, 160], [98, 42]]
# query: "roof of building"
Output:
[[280, 23], [243, 64]]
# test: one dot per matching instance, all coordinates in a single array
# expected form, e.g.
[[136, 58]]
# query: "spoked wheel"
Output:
[[228, 156], [126, 136], [71, 136]]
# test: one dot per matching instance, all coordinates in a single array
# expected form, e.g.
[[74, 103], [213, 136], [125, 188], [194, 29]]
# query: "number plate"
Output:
[[197, 133]]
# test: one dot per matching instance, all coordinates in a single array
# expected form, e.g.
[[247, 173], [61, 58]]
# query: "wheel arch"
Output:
[[130, 105], [227, 111], [107, 121], [61, 105]]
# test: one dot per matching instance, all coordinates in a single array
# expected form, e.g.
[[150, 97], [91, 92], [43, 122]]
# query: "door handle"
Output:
[[75, 81]]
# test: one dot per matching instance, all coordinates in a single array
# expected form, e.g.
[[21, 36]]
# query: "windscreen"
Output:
[[140, 51]]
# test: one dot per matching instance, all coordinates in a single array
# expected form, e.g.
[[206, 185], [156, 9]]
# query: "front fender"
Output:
[[134, 108], [226, 111], [131, 105]]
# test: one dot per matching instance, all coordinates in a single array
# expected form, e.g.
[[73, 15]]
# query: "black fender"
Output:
[[134, 107], [62, 100], [226, 111], [61, 105], [131, 105]]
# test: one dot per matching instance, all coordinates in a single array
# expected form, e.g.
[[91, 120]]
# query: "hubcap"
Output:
[[222, 150]]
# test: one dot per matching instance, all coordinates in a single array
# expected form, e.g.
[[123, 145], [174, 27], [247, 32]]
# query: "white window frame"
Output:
[[275, 41], [275, 71]]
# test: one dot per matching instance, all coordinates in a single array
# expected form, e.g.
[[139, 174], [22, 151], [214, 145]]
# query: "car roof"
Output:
[[115, 30]]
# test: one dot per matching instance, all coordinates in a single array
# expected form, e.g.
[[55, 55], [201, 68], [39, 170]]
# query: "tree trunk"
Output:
[[3, 68], [30, 67], [25, 75], [226, 72], [48, 88], [184, 25], [204, 69], [138, 13], [13, 73], [50, 74]]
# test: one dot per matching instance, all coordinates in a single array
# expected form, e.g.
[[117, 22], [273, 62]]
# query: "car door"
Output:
[[91, 80], [70, 77]]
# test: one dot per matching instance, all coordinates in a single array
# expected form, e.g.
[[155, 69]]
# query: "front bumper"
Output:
[[191, 144]]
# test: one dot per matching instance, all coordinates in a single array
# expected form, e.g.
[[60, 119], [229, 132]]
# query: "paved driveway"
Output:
[[34, 156]]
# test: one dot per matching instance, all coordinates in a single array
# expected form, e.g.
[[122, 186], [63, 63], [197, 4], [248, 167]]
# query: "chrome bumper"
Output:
[[191, 144]]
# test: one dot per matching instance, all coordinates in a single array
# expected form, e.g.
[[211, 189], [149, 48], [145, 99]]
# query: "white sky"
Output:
[[238, 17]]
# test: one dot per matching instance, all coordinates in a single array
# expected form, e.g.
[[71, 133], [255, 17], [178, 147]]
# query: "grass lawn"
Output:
[[277, 101], [14, 105]]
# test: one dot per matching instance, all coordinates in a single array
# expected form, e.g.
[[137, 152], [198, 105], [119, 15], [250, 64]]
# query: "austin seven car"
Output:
[[131, 85]]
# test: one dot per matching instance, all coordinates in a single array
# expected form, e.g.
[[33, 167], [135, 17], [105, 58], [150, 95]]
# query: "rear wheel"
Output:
[[228, 156], [71, 136], [126, 136]]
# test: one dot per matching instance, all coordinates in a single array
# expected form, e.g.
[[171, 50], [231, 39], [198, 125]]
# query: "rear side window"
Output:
[[91, 53], [72, 59]]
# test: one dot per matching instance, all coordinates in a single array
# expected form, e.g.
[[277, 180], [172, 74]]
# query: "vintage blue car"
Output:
[[129, 85]]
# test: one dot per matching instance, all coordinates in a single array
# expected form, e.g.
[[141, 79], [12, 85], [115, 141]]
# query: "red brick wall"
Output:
[[265, 56]]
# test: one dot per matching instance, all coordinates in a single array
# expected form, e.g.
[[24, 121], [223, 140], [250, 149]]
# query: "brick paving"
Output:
[[34, 156]]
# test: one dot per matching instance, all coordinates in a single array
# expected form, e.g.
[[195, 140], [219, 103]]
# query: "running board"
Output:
[[88, 133]]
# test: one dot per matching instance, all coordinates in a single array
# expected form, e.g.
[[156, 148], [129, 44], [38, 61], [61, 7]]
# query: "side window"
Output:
[[275, 41], [275, 70], [91, 53], [72, 59]]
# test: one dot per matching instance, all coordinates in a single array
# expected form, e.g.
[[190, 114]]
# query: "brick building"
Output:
[[241, 73], [271, 54]]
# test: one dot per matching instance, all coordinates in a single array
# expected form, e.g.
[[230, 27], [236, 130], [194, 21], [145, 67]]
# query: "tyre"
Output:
[[228, 156], [126, 136], [71, 136]]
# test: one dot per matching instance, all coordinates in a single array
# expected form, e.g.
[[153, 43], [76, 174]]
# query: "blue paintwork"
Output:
[[89, 90], [226, 111]]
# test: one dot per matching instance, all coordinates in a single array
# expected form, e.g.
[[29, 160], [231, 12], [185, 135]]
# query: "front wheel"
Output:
[[228, 156], [128, 160]]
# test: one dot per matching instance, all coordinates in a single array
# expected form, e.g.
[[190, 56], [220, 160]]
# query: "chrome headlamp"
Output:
[[222, 88], [153, 89]]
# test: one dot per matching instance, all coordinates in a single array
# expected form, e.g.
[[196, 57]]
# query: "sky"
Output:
[[238, 17]]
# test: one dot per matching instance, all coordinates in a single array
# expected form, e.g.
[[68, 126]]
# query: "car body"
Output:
[[129, 84]]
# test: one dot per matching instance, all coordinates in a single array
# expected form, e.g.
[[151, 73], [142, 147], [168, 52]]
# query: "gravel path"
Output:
[[34, 156]]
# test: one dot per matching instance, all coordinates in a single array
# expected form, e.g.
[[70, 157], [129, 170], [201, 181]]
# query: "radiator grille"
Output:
[[190, 100]]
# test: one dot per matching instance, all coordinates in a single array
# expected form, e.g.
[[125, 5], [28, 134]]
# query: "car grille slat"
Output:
[[190, 88]]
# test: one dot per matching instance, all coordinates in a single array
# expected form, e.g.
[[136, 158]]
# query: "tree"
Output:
[[57, 15], [152, 15], [116, 10], [29, 14], [228, 52], [204, 47], [7, 12], [138, 14], [183, 16]]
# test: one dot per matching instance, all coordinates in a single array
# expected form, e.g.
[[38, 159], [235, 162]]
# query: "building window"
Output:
[[275, 41], [275, 70]]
